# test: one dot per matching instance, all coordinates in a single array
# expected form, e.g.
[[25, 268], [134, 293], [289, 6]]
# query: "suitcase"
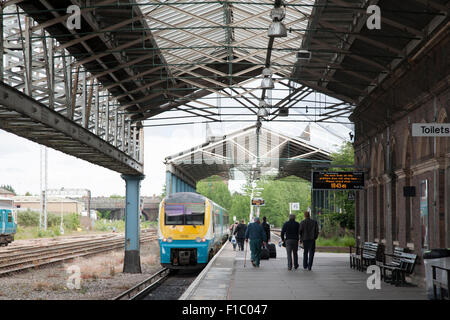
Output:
[[264, 253], [272, 250]]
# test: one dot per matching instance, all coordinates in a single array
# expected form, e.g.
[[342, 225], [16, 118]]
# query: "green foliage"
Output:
[[9, 188], [344, 241], [279, 193], [27, 194], [240, 207], [116, 196], [345, 156], [106, 225], [28, 218], [31, 219], [163, 192], [215, 189], [104, 214], [72, 221]]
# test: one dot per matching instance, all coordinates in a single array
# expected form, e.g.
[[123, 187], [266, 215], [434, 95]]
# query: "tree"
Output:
[[9, 188], [215, 189], [240, 207], [277, 195], [27, 194], [163, 192], [345, 156]]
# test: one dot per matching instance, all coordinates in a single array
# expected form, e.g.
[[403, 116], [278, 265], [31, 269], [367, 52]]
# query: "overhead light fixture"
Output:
[[277, 30], [277, 14], [262, 112], [267, 72], [267, 83]]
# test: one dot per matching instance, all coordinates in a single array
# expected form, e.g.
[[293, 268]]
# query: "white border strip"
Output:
[[186, 295]]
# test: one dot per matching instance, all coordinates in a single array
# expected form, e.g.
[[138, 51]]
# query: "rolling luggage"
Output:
[[272, 250], [264, 253]]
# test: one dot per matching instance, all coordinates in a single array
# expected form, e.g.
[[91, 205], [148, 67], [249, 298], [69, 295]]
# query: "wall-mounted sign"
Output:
[[338, 180], [258, 202], [430, 129], [295, 206]]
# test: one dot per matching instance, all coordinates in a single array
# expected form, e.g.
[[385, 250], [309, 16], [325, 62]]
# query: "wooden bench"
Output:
[[439, 284], [406, 264], [365, 256], [394, 258]]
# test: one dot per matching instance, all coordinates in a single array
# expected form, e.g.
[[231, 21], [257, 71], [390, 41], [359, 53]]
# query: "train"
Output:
[[8, 221], [191, 229]]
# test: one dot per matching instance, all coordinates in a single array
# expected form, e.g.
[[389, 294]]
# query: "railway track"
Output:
[[165, 284], [23, 258], [143, 288]]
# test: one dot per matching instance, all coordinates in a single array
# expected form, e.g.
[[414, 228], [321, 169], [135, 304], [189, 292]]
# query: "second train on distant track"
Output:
[[191, 229]]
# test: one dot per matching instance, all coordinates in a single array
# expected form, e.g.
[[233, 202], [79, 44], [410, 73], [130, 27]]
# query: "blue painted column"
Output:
[[132, 260], [168, 183], [174, 184]]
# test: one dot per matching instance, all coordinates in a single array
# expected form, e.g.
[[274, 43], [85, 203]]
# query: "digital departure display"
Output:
[[258, 202], [338, 180]]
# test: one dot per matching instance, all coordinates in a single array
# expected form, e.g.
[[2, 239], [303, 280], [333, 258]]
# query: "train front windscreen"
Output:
[[185, 214]]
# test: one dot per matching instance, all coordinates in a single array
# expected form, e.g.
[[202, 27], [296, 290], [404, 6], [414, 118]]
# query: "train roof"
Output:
[[179, 197]]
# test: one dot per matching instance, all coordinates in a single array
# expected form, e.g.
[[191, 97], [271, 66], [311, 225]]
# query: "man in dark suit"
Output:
[[289, 235], [309, 231], [266, 228], [239, 232]]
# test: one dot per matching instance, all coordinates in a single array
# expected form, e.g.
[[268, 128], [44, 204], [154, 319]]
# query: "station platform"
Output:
[[331, 278]]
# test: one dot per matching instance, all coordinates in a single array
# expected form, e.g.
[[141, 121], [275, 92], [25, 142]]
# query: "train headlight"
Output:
[[203, 240], [164, 240], [169, 239], [198, 239]]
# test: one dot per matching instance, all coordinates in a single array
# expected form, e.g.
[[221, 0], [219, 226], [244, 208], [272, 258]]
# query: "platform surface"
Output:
[[331, 278]]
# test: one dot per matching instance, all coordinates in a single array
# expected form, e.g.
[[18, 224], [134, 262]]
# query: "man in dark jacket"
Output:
[[257, 238], [266, 228], [239, 232], [289, 235], [309, 231]]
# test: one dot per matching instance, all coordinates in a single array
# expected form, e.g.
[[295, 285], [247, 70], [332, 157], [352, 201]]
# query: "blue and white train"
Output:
[[191, 229]]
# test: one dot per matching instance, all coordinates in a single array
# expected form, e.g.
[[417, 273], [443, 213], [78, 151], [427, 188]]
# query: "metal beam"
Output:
[[100, 152]]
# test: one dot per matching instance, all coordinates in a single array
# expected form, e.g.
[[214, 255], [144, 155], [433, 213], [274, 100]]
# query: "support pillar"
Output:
[[168, 183], [174, 184], [132, 260]]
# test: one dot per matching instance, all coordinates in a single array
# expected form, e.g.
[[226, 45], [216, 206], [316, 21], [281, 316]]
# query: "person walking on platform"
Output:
[[239, 232], [290, 236], [266, 228], [232, 236], [257, 238], [309, 231]]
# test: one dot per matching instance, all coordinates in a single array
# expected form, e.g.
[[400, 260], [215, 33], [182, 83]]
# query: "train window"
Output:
[[195, 214], [9, 216], [185, 214], [174, 214]]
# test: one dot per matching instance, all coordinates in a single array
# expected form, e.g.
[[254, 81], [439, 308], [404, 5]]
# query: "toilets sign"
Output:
[[430, 129]]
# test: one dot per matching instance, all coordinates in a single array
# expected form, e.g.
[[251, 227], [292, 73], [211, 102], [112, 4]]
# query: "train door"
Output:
[[9, 221], [2, 221]]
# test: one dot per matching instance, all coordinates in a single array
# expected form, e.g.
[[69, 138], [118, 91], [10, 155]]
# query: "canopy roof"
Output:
[[278, 155], [155, 56]]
